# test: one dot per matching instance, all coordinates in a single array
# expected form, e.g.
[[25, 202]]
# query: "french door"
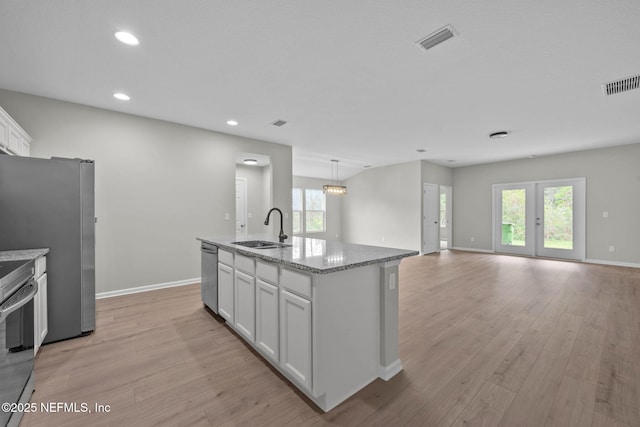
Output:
[[544, 218]]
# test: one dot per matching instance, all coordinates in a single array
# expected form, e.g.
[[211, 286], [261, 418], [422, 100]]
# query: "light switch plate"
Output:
[[392, 281]]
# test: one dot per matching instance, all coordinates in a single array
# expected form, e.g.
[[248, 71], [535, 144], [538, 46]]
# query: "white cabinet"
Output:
[[245, 305], [13, 139], [40, 321], [270, 307], [295, 337], [4, 132], [225, 291], [15, 142], [267, 320]]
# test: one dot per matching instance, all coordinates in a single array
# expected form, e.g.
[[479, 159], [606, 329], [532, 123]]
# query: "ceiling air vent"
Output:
[[436, 37], [621, 85], [279, 123]]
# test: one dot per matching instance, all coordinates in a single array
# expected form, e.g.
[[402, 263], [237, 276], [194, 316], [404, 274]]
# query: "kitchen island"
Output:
[[323, 313]]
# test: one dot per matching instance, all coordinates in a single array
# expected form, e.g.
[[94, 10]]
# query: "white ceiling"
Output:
[[347, 76]]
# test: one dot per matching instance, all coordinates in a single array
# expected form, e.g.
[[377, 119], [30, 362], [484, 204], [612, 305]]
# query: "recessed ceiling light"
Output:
[[121, 96], [127, 38], [232, 123], [498, 135], [250, 162]]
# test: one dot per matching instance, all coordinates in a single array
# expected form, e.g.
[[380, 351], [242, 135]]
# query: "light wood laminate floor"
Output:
[[484, 340]]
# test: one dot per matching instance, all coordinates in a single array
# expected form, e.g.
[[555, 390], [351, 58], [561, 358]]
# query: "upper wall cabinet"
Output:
[[13, 139]]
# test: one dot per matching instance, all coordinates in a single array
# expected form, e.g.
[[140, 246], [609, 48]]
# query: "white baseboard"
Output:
[[147, 288], [590, 261], [616, 263], [389, 371], [485, 251]]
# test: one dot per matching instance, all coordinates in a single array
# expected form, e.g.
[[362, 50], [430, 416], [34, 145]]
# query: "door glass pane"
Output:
[[558, 217], [513, 217]]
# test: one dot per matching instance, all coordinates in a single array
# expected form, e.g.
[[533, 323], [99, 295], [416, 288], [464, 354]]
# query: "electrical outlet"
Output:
[[383, 238], [250, 215], [605, 214], [473, 239], [392, 281], [227, 217], [612, 248]]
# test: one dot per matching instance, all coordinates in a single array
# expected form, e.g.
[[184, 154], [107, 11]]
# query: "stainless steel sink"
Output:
[[261, 244]]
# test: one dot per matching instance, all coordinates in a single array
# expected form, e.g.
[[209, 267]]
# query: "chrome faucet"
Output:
[[282, 237]]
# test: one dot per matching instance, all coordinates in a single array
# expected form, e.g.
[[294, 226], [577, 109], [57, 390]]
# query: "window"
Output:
[[296, 211], [309, 211]]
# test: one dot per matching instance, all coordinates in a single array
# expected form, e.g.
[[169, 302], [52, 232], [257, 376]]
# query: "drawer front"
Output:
[[41, 266], [225, 257], [267, 272], [245, 264], [296, 282]]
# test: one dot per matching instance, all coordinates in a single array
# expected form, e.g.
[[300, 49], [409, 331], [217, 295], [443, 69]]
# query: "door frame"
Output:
[[432, 205], [242, 215], [532, 208], [448, 190]]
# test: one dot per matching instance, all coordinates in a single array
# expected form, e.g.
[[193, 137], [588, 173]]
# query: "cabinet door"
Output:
[[15, 142], [37, 304], [43, 317], [295, 337], [225, 292], [26, 148], [245, 305], [267, 319], [4, 133], [40, 321]]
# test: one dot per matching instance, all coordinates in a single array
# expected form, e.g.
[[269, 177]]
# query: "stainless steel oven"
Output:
[[17, 289]]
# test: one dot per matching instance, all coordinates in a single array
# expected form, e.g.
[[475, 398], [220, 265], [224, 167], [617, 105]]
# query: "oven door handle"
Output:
[[6, 311]]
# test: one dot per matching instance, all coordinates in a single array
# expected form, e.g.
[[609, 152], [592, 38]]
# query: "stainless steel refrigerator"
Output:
[[49, 203]]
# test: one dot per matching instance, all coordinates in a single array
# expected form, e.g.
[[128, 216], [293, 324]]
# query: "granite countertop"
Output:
[[22, 254], [315, 255]]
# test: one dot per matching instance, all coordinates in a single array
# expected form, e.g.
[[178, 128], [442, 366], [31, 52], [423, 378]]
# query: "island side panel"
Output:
[[389, 360], [346, 343]]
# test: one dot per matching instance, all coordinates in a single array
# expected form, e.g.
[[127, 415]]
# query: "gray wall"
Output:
[[383, 207], [436, 174], [159, 185], [334, 209], [613, 185]]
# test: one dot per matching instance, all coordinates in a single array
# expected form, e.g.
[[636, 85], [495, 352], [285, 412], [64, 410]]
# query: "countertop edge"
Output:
[[304, 267], [23, 254]]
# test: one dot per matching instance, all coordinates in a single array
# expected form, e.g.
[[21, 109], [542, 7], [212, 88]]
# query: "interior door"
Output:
[[241, 208], [544, 218], [445, 217], [431, 225]]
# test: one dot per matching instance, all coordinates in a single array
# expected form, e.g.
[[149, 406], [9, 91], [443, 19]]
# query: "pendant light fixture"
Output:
[[334, 188]]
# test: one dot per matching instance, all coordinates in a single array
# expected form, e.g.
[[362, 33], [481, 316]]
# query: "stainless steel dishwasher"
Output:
[[209, 285]]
